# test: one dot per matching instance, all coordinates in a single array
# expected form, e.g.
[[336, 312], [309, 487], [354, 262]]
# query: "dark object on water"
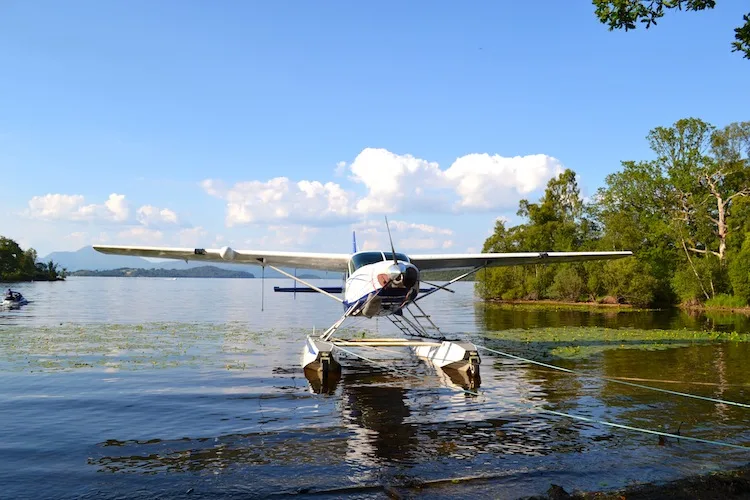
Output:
[[13, 299]]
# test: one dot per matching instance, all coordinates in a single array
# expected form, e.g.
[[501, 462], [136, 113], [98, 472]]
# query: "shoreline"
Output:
[[731, 483]]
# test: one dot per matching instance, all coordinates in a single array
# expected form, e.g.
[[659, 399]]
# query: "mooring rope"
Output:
[[664, 381], [529, 406], [614, 380], [640, 429]]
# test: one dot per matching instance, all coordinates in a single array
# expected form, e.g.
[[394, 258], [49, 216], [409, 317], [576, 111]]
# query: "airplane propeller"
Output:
[[396, 272]]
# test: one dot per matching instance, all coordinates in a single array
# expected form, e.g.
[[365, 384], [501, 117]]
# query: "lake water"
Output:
[[147, 387]]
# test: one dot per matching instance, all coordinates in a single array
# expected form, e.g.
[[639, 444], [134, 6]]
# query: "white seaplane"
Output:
[[376, 283]]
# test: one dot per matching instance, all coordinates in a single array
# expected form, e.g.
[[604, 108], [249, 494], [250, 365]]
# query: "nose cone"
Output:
[[396, 272], [403, 275]]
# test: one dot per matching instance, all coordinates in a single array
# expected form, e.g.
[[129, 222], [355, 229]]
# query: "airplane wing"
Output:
[[464, 261], [305, 260]]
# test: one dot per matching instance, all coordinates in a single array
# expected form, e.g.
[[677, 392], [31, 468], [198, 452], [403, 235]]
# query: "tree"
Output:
[[19, 265], [624, 14], [558, 222], [10, 257], [681, 204], [633, 208]]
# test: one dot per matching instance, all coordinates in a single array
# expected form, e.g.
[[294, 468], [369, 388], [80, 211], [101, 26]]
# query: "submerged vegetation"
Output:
[[685, 215], [17, 264], [582, 342], [128, 347]]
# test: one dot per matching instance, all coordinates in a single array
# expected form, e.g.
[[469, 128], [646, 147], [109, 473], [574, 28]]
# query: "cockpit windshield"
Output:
[[399, 256], [366, 258]]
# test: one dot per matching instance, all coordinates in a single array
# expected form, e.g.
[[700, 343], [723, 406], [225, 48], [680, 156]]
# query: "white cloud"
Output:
[[279, 199], [486, 182], [395, 182], [149, 215], [141, 234], [340, 169], [117, 206], [214, 187], [392, 183], [192, 237], [73, 208], [55, 206], [406, 235]]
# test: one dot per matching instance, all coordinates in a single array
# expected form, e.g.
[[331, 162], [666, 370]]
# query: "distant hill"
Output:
[[195, 272], [89, 259]]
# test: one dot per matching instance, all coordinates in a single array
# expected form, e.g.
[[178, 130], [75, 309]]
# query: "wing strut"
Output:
[[457, 278]]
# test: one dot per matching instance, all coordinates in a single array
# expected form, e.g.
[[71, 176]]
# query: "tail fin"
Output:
[[354, 242]]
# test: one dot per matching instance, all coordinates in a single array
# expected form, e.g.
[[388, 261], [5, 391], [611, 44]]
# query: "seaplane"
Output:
[[376, 284]]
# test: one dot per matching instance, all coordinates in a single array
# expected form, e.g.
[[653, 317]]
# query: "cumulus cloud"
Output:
[[74, 208], [142, 235], [393, 183], [116, 208], [406, 235], [280, 199], [486, 182], [151, 216]]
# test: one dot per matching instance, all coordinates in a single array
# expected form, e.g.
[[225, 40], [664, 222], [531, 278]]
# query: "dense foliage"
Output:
[[17, 264], [624, 14], [684, 214]]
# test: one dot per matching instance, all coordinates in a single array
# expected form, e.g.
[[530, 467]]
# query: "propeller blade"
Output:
[[393, 249]]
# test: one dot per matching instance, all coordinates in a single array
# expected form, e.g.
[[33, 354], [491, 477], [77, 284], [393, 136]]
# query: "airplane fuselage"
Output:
[[379, 285]]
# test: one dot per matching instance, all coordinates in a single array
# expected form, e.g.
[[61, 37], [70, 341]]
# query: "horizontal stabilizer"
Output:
[[291, 289]]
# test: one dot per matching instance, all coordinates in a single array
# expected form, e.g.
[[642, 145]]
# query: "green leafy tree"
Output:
[[630, 280], [632, 208], [567, 284], [678, 209], [558, 222], [739, 273], [626, 14], [19, 265]]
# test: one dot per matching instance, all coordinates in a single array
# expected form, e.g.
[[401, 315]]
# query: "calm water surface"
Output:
[[146, 387]]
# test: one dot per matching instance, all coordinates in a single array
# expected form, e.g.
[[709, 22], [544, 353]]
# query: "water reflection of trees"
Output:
[[716, 371], [491, 317]]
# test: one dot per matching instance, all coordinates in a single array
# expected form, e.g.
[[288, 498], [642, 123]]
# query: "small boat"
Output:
[[14, 300]]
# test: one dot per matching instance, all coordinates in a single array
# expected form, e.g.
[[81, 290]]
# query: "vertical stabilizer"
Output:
[[354, 242]]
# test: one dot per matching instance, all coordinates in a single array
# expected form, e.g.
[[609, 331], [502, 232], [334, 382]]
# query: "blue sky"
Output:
[[165, 123]]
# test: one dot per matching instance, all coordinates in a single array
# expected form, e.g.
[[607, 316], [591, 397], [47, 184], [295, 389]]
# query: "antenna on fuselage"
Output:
[[354, 242]]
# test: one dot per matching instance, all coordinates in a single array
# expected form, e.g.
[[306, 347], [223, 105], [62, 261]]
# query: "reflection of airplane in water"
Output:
[[380, 424], [379, 283], [463, 378]]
